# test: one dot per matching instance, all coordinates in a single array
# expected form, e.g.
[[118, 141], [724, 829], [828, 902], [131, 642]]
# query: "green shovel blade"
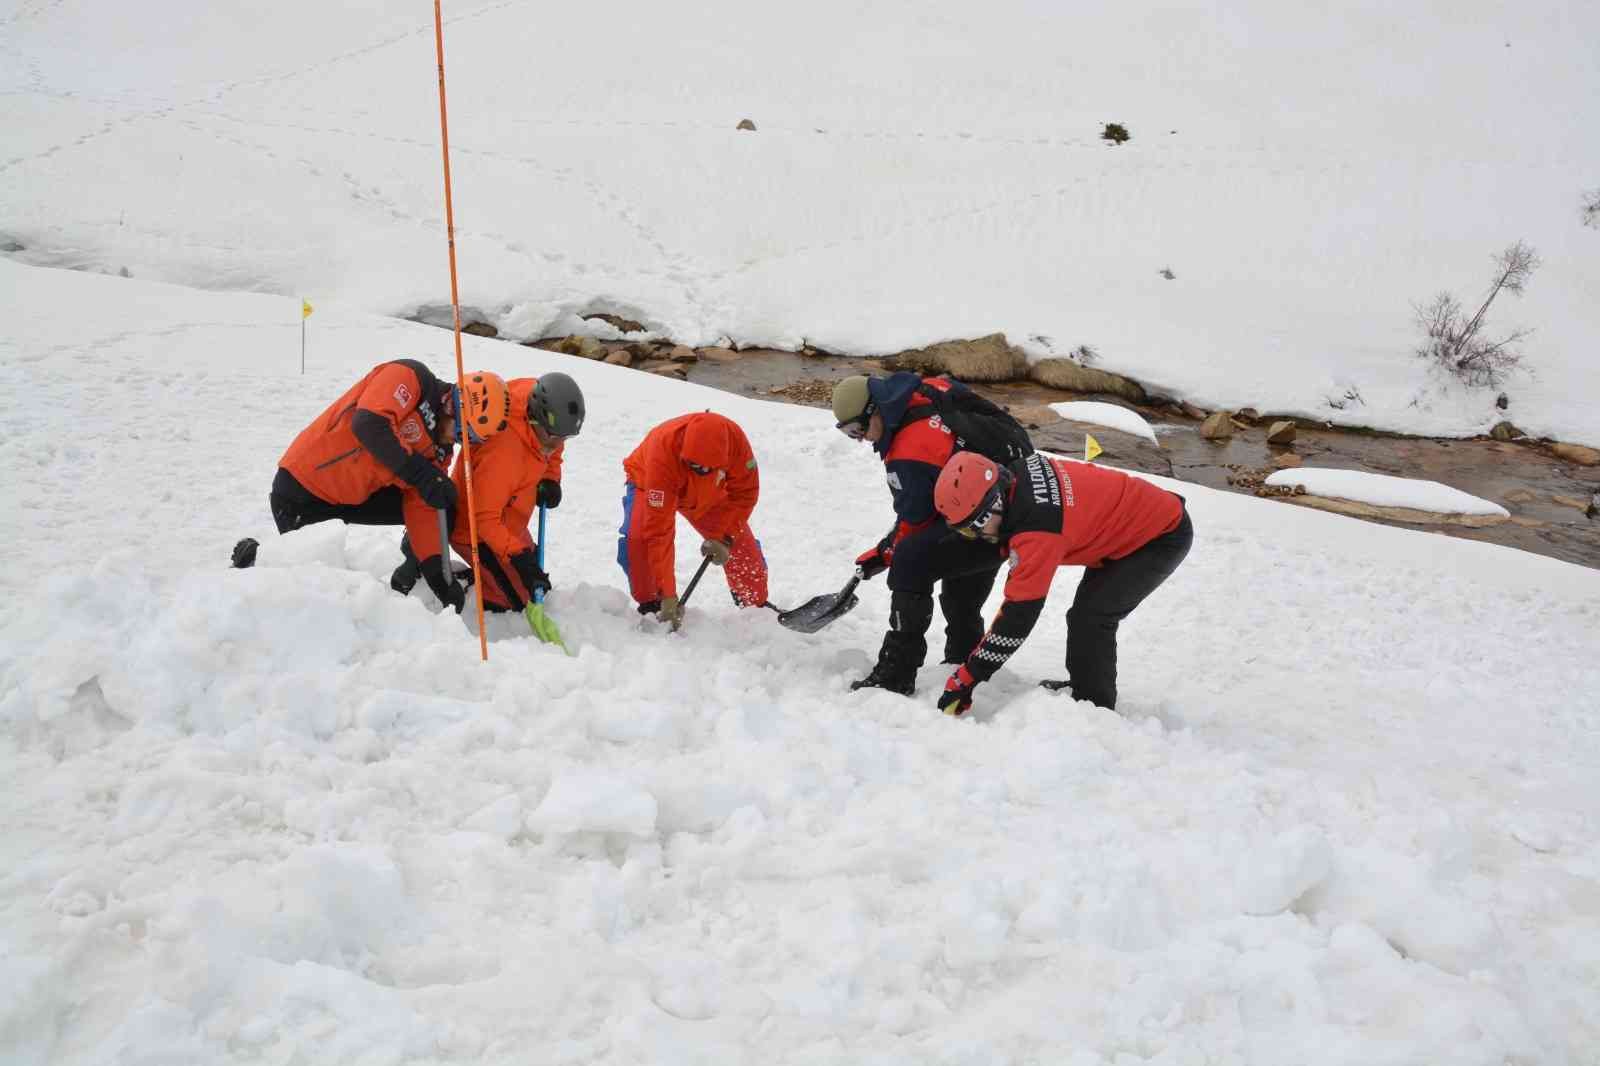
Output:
[[543, 626]]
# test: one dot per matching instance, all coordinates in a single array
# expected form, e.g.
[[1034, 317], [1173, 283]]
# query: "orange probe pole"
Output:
[[455, 309]]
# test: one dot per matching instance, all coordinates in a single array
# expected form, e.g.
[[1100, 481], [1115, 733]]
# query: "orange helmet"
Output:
[[969, 486], [486, 405]]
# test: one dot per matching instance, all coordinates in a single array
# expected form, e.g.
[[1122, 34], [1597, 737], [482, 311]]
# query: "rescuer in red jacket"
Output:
[[700, 466], [1048, 513]]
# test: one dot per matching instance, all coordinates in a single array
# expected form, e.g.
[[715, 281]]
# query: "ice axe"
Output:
[[824, 610], [543, 626]]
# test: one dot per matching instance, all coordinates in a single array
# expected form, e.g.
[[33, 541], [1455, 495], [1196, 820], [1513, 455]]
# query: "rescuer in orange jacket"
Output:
[[700, 466], [375, 457], [1046, 513], [514, 471]]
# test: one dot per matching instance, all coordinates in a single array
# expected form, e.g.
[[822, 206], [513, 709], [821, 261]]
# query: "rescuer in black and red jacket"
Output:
[[898, 416], [1046, 513]]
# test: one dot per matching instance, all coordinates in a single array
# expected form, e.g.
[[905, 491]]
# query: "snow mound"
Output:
[[1106, 414], [1383, 490]]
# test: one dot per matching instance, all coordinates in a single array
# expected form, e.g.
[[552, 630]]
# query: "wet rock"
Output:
[[583, 347], [987, 358], [1521, 496], [1196, 413], [682, 353], [746, 124], [720, 355], [1035, 416], [1217, 426], [1280, 433], [480, 329], [679, 371], [1505, 431], [626, 325], [1287, 461], [1075, 377], [1248, 415], [1577, 503], [1576, 453], [619, 357]]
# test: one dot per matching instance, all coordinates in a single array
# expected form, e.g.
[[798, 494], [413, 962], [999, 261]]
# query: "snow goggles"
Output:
[[856, 428], [973, 526]]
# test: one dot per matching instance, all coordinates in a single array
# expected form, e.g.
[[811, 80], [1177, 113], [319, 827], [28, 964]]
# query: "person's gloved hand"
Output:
[[649, 607], [450, 592], [534, 579], [671, 612], [548, 494], [957, 696], [716, 550], [436, 490], [874, 560]]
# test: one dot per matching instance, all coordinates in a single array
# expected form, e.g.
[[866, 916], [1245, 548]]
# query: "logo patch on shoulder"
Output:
[[402, 395], [656, 498], [410, 431], [894, 480]]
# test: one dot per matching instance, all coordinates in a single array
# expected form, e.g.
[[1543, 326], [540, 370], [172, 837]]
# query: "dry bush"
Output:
[[1456, 343]]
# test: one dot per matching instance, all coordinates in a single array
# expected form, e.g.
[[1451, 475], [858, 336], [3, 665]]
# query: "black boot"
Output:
[[408, 573], [905, 646], [1057, 686], [244, 553]]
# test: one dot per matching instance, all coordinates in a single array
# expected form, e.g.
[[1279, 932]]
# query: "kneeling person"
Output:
[[375, 457], [516, 467]]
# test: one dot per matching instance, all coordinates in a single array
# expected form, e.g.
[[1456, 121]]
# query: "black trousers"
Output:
[[293, 506], [1108, 594], [965, 571]]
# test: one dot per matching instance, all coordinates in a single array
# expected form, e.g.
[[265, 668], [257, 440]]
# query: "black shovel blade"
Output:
[[821, 611]]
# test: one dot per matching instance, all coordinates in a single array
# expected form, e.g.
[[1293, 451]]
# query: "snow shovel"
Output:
[[543, 626], [820, 611]]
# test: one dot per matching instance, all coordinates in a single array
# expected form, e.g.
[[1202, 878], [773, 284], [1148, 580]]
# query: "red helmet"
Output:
[[969, 486]]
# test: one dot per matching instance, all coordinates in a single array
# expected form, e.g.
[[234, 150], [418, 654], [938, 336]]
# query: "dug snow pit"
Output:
[[589, 802], [1403, 499], [1106, 414]]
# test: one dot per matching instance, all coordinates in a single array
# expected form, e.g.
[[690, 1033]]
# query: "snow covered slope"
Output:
[[922, 169], [285, 815]]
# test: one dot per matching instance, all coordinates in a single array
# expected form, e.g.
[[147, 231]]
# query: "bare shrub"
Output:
[[1457, 344], [1591, 208], [1085, 355]]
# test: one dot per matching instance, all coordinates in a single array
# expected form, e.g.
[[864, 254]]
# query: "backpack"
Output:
[[979, 425]]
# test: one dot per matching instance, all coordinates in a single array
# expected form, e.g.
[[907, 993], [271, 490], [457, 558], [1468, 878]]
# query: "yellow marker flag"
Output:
[[1091, 448], [305, 308]]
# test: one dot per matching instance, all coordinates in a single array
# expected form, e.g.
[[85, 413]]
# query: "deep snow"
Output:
[[1347, 814]]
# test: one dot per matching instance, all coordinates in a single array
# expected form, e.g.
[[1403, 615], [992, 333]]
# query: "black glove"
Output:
[[436, 490], [535, 580], [549, 494], [649, 607], [450, 592]]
